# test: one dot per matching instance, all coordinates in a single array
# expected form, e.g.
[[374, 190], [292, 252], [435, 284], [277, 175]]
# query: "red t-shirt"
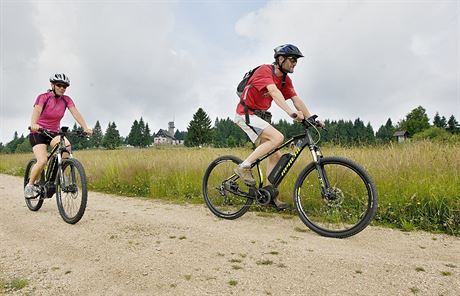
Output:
[[256, 95], [51, 116]]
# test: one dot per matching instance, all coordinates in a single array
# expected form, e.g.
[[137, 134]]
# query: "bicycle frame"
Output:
[[55, 159], [305, 140]]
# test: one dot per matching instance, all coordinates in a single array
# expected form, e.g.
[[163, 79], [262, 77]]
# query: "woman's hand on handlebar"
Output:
[[34, 127], [88, 131]]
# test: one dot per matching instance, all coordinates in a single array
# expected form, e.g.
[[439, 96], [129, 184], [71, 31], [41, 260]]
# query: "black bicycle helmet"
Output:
[[288, 50], [60, 78]]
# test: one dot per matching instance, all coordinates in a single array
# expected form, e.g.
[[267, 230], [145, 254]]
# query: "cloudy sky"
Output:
[[162, 60]]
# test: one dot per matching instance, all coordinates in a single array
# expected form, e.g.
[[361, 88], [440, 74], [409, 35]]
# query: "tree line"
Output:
[[225, 133]]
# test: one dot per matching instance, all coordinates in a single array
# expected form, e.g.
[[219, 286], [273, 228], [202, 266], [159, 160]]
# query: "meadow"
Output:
[[418, 183]]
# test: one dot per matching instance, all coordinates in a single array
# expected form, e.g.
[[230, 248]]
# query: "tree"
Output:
[[452, 125], [10, 147], [227, 134], [178, 135], [112, 137], [199, 131], [97, 137], [23, 147], [369, 136], [385, 132], [439, 121], [77, 142], [146, 136], [134, 137], [416, 121]]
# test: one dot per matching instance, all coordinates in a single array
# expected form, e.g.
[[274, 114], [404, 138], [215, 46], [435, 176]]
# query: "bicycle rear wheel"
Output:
[[346, 208], [224, 192], [72, 194], [33, 204]]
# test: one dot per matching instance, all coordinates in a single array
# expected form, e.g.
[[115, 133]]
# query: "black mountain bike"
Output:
[[64, 176], [333, 196]]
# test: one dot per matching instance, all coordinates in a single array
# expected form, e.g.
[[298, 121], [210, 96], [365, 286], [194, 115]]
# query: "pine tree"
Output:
[[112, 137], [385, 132], [97, 137], [76, 141], [452, 125], [134, 137], [11, 146], [23, 145], [439, 121], [199, 131], [227, 134], [369, 134], [146, 136], [180, 135]]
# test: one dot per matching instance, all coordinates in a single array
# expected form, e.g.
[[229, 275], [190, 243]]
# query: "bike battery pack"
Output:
[[275, 174]]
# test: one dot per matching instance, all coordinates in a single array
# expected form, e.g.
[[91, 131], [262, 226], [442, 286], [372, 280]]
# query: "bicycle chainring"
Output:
[[263, 196]]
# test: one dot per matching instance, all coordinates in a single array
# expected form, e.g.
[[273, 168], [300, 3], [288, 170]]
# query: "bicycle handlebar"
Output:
[[310, 121], [63, 131]]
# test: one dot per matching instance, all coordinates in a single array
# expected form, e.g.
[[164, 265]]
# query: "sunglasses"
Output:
[[61, 85], [292, 59]]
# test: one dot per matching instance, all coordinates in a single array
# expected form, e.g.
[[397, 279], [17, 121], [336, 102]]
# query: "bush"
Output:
[[433, 133]]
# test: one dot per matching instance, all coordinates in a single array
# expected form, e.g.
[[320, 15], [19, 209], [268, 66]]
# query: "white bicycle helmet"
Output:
[[60, 78]]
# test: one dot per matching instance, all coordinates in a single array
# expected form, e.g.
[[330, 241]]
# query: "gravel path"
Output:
[[129, 246]]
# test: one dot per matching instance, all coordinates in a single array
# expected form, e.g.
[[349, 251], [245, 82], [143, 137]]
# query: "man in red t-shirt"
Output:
[[268, 83]]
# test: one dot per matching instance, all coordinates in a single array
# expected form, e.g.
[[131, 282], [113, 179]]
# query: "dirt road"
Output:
[[128, 246]]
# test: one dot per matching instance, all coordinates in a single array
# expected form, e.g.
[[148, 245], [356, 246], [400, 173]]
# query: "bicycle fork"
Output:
[[62, 179], [322, 177]]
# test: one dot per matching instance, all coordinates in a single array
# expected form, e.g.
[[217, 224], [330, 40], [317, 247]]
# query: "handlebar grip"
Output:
[[40, 129]]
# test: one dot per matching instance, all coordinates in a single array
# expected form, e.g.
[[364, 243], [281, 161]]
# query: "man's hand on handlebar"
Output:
[[297, 115]]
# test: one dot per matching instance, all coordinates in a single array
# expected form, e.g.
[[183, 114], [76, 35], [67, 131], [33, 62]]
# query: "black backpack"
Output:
[[244, 82], [241, 86]]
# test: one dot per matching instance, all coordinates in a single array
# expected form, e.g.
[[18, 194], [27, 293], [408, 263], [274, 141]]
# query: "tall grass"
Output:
[[418, 183]]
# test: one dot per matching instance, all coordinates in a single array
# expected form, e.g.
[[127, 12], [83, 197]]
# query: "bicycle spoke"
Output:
[[223, 189], [344, 208], [72, 193]]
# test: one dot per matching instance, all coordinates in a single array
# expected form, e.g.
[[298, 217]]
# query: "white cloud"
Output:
[[370, 59]]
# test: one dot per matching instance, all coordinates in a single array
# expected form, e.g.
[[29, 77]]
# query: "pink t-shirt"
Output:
[[51, 115]]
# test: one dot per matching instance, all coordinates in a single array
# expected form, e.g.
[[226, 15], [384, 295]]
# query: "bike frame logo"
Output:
[[291, 161]]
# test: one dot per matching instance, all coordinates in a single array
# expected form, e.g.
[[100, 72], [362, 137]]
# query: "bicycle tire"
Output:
[[33, 204], [353, 206], [219, 200], [72, 196]]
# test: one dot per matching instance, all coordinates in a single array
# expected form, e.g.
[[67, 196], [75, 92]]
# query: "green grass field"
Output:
[[418, 183]]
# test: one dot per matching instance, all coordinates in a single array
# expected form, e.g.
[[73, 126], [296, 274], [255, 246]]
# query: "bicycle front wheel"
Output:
[[345, 207], [224, 192], [33, 204], [72, 192]]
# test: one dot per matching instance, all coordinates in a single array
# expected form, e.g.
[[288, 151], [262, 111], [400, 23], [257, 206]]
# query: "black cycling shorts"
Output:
[[36, 138]]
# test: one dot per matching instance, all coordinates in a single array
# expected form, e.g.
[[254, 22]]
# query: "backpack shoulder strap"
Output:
[[283, 82]]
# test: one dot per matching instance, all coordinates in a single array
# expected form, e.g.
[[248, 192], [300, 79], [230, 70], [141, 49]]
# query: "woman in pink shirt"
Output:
[[49, 108]]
